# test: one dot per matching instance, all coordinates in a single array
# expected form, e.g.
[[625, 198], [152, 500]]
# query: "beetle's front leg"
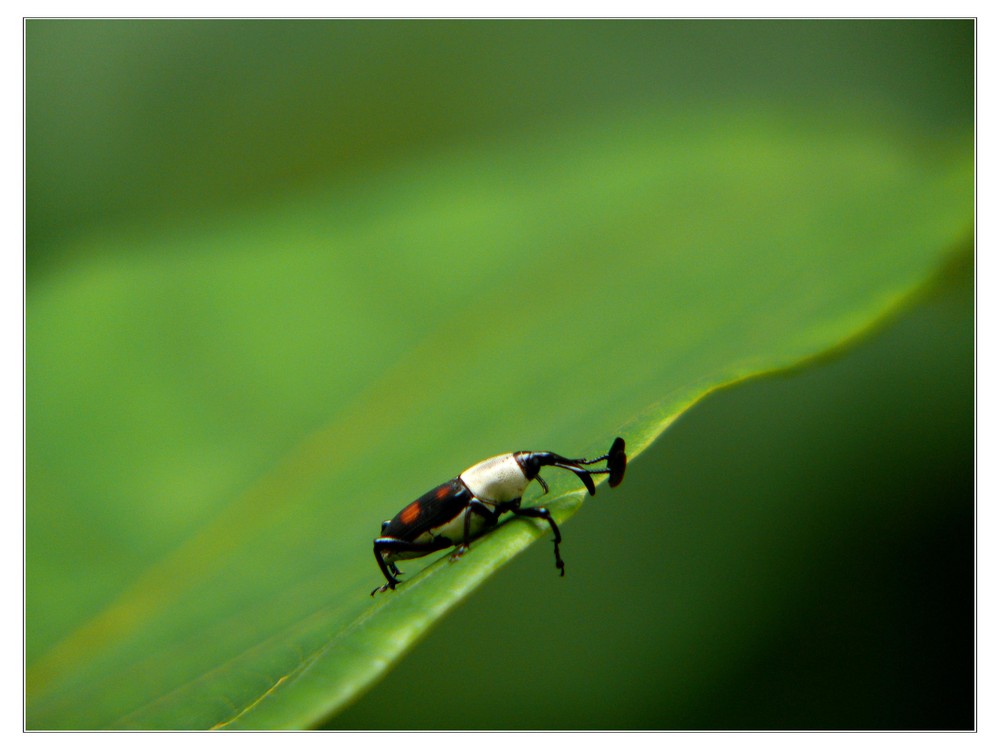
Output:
[[475, 506], [391, 544], [544, 513]]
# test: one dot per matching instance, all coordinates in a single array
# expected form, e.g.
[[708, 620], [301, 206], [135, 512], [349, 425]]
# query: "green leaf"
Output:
[[779, 559], [220, 417]]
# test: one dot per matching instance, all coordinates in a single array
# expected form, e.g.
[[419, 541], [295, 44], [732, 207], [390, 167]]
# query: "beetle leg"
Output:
[[390, 581], [390, 544], [544, 514], [475, 506]]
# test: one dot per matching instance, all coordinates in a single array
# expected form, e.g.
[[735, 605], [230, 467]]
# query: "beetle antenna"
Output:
[[615, 468], [584, 475], [616, 463]]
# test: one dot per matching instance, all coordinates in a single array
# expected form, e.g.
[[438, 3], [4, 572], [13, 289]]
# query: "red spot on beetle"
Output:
[[410, 513], [443, 491]]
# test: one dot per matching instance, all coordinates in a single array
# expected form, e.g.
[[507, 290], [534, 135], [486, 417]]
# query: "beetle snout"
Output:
[[531, 462]]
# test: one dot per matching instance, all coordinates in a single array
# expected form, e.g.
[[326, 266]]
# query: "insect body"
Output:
[[454, 513]]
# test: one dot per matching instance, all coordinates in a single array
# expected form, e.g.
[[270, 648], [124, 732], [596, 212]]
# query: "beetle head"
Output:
[[531, 462]]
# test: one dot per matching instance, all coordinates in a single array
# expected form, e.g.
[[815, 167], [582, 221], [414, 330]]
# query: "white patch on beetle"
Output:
[[454, 530], [496, 480]]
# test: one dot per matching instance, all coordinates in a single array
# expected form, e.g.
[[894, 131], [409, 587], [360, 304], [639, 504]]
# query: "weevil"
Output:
[[456, 512]]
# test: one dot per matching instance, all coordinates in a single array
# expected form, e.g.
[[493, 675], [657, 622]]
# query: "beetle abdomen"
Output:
[[432, 509]]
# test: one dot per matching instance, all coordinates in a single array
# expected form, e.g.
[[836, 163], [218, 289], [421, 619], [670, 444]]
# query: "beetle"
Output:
[[456, 512]]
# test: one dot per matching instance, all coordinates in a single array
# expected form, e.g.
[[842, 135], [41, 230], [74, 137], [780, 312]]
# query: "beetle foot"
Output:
[[384, 587], [459, 551]]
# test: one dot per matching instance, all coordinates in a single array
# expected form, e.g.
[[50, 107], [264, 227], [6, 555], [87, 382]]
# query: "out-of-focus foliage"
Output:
[[285, 276], [166, 123]]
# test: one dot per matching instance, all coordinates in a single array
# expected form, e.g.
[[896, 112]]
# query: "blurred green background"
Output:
[[138, 122], [156, 154]]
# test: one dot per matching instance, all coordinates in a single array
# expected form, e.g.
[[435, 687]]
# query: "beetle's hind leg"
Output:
[[391, 544], [543, 513]]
